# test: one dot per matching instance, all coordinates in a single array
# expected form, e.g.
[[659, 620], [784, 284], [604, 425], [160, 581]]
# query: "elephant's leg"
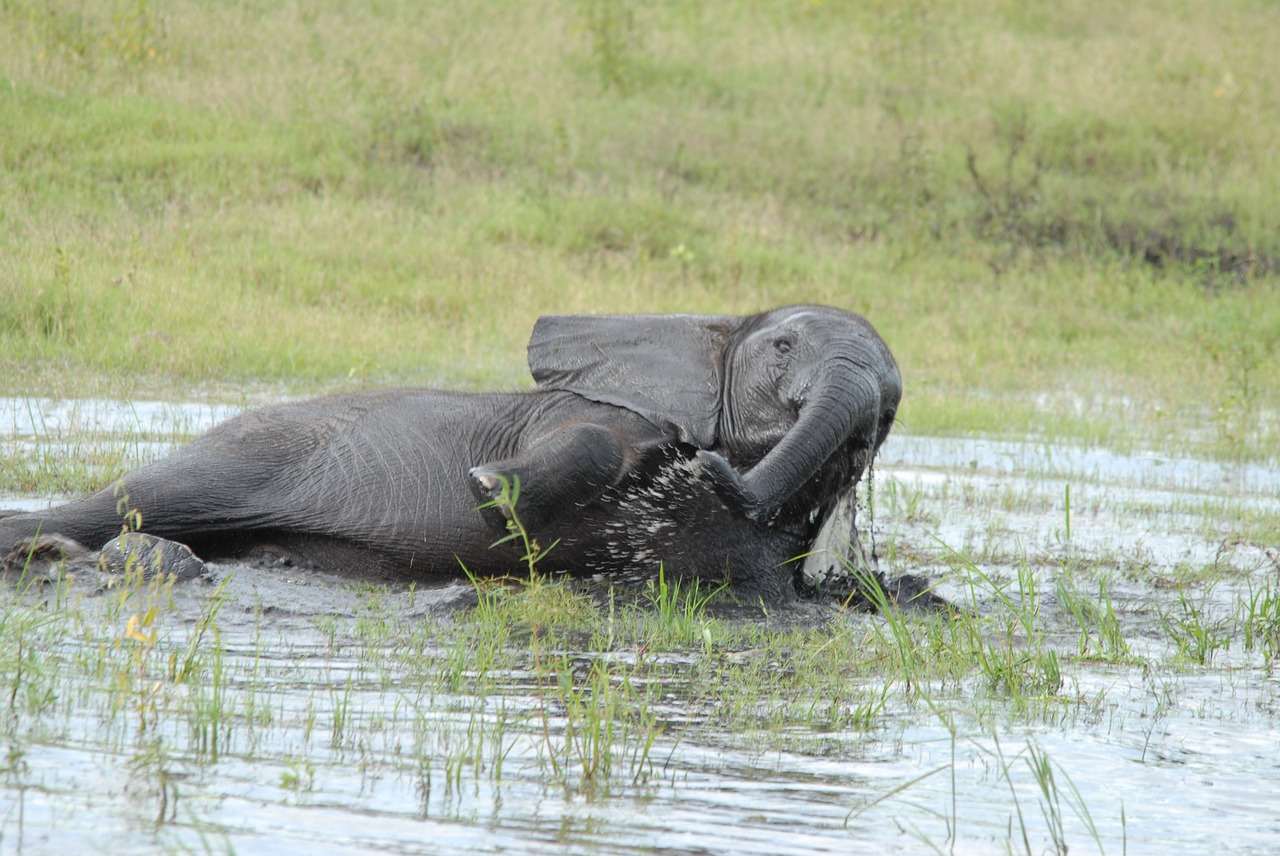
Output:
[[557, 474], [69, 534], [88, 522], [198, 492]]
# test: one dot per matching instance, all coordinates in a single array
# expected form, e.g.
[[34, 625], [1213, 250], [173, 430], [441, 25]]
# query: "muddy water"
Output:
[[333, 742]]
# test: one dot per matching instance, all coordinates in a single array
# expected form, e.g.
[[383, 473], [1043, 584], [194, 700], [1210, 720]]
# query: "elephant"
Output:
[[716, 448]]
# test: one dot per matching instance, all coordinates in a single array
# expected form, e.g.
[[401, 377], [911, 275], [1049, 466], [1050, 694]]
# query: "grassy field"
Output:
[[1075, 201]]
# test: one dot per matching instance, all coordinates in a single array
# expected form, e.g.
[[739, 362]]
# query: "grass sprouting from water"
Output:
[[1101, 635], [592, 693]]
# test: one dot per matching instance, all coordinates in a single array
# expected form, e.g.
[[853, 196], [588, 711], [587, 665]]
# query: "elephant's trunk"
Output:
[[854, 398]]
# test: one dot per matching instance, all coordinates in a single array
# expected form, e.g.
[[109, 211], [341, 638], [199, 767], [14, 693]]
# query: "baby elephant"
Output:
[[715, 447]]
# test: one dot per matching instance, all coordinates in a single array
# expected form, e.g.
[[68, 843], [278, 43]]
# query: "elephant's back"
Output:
[[386, 466], [389, 472]]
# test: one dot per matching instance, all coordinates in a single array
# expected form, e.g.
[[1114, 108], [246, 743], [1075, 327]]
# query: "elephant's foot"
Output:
[[46, 556], [496, 487], [862, 585], [873, 592], [913, 592], [42, 558], [139, 552]]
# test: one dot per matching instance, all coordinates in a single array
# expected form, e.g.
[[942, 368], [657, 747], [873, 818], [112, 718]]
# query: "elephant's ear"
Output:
[[667, 368]]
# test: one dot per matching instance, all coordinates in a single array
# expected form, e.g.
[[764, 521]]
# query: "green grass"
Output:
[[1021, 200]]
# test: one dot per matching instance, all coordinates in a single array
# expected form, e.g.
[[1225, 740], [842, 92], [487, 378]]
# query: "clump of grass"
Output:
[[613, 30], [68, 459], [676, 612], [597, 721], [27, 629], [1101, 636], [1259, 619], [1056, 795], [896, 633], [1190, 625], [1009, 645], [603, 724], [1046, 774]]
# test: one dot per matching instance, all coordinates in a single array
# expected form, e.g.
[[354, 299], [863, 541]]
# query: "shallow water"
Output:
[[332, 739]]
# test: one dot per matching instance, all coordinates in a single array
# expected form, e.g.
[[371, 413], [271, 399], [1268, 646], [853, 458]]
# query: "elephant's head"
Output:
[[767, 399], [804, 385]]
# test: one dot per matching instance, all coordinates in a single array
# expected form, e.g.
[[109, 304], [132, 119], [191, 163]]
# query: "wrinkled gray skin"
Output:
[[716, 447]]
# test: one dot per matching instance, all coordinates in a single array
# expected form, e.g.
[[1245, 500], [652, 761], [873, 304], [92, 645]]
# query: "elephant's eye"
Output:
[[782, 345]]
